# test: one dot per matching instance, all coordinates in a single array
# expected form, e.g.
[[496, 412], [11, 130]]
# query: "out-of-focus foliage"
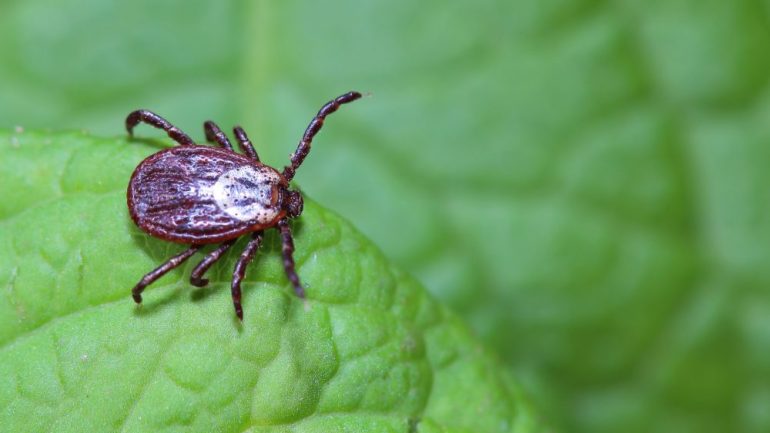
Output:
[[586, 181]]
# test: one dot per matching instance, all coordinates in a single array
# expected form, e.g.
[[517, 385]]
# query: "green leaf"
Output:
[[584, 181], [368, 351]]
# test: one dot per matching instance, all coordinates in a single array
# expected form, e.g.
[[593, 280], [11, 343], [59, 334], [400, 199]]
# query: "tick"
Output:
[[199, 195]]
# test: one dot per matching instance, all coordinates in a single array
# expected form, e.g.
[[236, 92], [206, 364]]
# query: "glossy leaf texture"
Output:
[[368, 351], [585, 181]]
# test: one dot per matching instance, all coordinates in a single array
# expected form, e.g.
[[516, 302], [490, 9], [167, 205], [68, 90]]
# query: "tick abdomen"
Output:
[[200, 194]]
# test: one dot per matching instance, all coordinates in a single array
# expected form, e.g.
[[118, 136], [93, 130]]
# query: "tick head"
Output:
[[293, 203]]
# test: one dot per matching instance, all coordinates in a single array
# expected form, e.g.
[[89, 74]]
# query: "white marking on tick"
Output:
[[245, 193]]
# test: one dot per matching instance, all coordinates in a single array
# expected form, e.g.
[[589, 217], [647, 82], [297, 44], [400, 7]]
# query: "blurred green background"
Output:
[[585, 181]]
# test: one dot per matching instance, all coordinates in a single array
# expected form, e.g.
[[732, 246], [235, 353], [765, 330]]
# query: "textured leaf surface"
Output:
[[369, 351], [585, 180]]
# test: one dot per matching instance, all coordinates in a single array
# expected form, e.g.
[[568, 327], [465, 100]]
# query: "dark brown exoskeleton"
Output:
[[198, 195]]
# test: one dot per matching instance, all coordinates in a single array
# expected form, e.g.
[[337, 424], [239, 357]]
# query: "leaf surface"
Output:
[[368, 351], [583, 180]]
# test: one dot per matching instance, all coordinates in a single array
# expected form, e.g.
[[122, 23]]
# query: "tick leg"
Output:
[[215, 135], [245, 143], [312, 129], [161, 270], [153, 119], [240, 270], [288, 257], [196, 278]]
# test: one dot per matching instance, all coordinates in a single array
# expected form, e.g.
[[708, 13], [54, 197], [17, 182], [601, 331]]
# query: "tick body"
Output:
[[198, 195], [203, 195]]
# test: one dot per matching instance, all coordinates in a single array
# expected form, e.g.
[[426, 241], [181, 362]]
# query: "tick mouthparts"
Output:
[[294, 203]]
